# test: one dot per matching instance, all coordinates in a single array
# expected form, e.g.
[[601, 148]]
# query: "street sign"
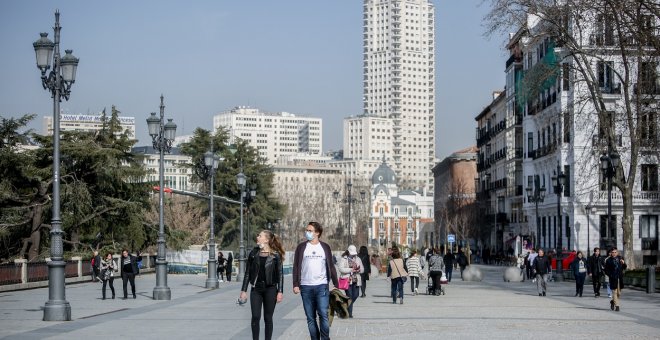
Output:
[[451, 238]]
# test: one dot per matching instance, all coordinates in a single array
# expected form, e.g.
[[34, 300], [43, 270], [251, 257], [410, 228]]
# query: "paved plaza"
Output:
[[470, 310]]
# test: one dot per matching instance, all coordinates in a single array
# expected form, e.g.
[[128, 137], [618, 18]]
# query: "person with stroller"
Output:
[[350, 268], [436, 267]]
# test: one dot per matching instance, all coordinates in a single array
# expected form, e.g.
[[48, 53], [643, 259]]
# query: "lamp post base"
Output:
[[56, 308], [559, 274], [212, 280], [161, 291]]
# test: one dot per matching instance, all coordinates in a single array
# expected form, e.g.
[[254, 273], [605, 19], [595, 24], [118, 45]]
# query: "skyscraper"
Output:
[[399, 84]]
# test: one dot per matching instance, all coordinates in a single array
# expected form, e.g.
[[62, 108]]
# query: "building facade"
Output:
[[70, 122], [176, 175], [272, 134], [399, 85]]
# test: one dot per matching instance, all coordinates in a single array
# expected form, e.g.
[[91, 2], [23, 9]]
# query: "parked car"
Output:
[[568, 259]]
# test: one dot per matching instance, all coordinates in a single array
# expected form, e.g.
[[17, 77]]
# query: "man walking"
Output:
[[541, 271], [614, 267], [449, 260], [595, 270], [129, 269], [312, 271]]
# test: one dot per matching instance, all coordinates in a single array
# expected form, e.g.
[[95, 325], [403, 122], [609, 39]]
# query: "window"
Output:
[[648, 125], [567, 126], [605, 123], [567, 186], [649, 177], [648, 231], [565, 77], [605, 76], [530, 143], [604, 31], [607, 232], [647, 78]]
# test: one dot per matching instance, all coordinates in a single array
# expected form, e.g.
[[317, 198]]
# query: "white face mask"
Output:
[[309, 235]]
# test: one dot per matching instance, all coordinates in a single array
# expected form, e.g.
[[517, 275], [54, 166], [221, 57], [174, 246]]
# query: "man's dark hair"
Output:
[[595, 249], [317, 227]]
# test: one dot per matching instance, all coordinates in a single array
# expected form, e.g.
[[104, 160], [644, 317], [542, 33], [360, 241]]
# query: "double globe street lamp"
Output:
[[558, 183], [241, 180], [211, 161], [162, 136], [536, 195], [349, 200], [58, 82]]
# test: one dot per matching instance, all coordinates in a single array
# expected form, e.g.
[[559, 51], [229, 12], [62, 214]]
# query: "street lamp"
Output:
[[558, 183], [211, 162], [608, 165], [240, 179], [536, 195], [349, 200], [249, 198], [486, 187], [58, 82], [162, 136]]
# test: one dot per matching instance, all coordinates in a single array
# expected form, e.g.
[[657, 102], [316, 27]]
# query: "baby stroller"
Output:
[[429, 285]]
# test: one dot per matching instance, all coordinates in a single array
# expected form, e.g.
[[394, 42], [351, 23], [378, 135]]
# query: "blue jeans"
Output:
[[352, 292], [449, 270], [315, 302], [397, 289]]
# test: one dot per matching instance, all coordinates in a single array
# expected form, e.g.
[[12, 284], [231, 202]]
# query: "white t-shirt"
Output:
[[313, 266]]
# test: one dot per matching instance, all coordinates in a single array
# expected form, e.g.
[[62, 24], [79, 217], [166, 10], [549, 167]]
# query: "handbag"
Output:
[[344, 283], [404, 279]]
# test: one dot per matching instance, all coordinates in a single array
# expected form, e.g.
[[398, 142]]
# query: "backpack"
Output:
[[462, 261]]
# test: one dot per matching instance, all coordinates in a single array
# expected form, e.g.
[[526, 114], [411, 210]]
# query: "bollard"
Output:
[[650, 279]]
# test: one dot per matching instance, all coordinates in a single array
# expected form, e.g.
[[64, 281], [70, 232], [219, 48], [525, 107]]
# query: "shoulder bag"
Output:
[[403, 278]]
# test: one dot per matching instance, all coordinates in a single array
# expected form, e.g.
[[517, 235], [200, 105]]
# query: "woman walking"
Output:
[[264, 274], [108, 268], [436, 266], [221, 266], [397, 274], [350, 268], [414, 271], [579, 267], [364, 257]]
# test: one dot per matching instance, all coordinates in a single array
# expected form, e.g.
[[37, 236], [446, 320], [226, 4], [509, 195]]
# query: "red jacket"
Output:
[[330, 272]]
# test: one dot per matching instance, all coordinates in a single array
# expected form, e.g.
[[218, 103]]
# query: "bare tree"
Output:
[[459, 212], [607, 50]]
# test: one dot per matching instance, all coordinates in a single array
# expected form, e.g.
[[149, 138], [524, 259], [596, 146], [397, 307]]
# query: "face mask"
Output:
[[309, 235]]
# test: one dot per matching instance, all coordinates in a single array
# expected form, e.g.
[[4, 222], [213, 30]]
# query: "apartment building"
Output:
[[72, 122]]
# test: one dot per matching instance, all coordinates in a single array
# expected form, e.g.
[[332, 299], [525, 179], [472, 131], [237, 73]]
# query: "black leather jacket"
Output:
[[274, 271]]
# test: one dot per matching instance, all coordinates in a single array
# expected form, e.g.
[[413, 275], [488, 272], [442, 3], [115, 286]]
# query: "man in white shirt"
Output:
[[312, 271]]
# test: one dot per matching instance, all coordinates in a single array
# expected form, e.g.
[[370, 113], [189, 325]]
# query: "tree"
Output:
[[608, 49], [264, 207], [460, 212]]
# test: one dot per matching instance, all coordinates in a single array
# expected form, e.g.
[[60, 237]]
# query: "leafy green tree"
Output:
[[263, 208]]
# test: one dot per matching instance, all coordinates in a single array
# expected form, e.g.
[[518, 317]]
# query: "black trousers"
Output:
[[125, 278], [435, 279], [266, 297], [112, 286], [414, 282], [595, 282], [579, 283], [363, 288], [95, 273], [221, 273], [228, 268]]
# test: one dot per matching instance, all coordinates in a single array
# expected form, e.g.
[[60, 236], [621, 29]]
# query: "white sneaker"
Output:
[[416, 293], [533, 280], [221, 281]]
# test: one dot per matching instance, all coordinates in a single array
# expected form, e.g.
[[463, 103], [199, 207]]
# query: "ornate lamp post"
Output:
[[241, 180], [558, 183], [536, 195], [249, 198], [608, 165], [349, 200], [58, 82], [162, 136], [211, 161]]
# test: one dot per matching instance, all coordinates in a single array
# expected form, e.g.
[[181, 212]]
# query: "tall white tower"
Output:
[[399, 72]]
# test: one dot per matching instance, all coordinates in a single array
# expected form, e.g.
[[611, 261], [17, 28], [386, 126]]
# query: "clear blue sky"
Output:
[[299, 56]]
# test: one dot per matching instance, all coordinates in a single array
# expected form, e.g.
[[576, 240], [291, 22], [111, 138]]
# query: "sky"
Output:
[[206, 57]]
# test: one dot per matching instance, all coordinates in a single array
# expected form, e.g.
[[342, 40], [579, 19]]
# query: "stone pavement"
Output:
[[469, 310]]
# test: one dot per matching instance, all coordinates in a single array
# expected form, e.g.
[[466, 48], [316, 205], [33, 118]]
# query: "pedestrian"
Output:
[[530, 264], [579, 267], [364, 257], [129, 269], [449, 260], [520, 263], [313, 270], [350, 268], [265, 274], [397, 275], [222, 262], [108, 268], [542, 271], [595, 270], [462, 261], [228, 266], [436, 267], [96, 264], [614, 267], [415, 270]]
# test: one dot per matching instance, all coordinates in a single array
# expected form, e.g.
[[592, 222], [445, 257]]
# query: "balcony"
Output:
[[601, 141], [646, 87], [649, 196], [519, 153], [650, 243], [611, 89], [545, 150]]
